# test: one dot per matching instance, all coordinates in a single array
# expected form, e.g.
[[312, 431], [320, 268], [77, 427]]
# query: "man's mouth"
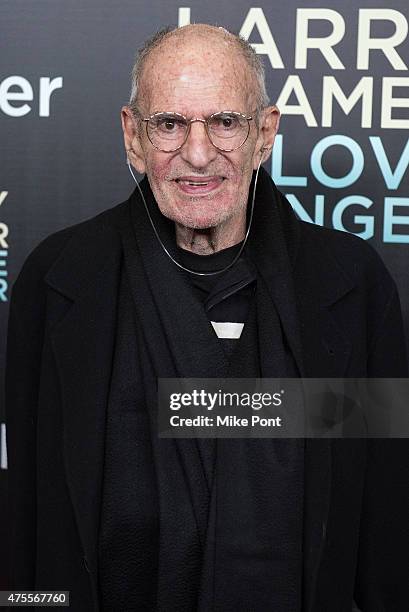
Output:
[[199, 184]]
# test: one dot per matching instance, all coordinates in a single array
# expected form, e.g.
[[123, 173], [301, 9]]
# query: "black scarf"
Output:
[[229, 512]]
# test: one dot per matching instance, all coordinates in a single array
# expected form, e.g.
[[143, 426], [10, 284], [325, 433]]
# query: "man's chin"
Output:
[[196, 221], [197, 224]]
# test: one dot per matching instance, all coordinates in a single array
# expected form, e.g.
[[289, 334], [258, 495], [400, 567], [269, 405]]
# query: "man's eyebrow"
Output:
[[223, 109]]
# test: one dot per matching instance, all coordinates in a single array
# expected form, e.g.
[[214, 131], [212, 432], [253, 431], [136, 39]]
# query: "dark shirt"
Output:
[[226, 297]]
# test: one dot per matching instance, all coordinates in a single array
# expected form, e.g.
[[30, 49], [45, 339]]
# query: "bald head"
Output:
[[198, 42]]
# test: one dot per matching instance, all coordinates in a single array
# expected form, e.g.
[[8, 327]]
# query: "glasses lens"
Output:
[[228, 131], [167, 131]]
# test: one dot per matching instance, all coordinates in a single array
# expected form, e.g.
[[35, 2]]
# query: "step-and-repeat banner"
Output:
[[338, 72]]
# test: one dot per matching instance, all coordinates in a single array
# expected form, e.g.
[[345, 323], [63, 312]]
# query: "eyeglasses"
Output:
[[227, 130]]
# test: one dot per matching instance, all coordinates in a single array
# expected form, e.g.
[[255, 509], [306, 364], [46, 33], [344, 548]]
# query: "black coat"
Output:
[[60, 346]]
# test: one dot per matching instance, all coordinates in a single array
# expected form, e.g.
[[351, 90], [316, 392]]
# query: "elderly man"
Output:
[[204, 272]]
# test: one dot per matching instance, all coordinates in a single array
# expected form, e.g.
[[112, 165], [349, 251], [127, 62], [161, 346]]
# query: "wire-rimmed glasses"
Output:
[[227, 130]]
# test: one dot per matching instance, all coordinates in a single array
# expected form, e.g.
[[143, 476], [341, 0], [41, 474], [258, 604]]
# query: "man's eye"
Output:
[[169, 124], [224, 123]]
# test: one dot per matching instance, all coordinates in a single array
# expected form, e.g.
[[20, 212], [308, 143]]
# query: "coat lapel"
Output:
[[83, 347], [326, 349], [326, 352], [305, 284], [302, 287]]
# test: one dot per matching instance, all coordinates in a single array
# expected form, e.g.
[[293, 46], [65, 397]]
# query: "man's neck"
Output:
[[209, 240]]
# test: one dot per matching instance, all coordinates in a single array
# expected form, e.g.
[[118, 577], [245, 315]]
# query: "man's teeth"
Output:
[[194, 183]]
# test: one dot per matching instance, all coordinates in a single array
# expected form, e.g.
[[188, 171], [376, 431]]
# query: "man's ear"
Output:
[[132, 140], [269, 121]]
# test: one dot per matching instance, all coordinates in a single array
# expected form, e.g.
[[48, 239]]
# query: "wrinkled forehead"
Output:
[[206, 72]]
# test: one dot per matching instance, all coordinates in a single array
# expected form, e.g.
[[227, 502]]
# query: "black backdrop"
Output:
[[338, 71]]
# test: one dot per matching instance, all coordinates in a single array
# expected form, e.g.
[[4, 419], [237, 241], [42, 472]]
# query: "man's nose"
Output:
[[198, 151]]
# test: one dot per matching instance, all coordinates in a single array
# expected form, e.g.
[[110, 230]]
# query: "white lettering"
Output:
[[4, 232], [25, 94], [47, 87], [293, 85], [331, 89], [256, 17], [303, 42], [183, 16], [389, 103], [386, 45], [264, 422], [6, 96]]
